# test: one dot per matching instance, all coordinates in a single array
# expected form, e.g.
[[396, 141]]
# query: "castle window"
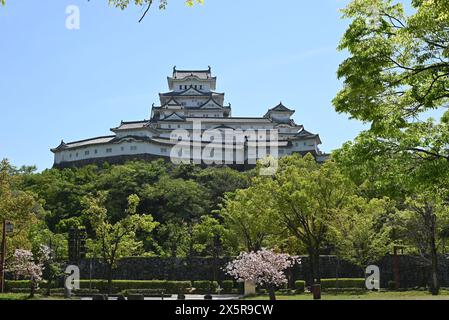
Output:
[[96, 151], [180, 87], [133, 148], [201, 87], [164, 150], [70, 155], [122, 148], [76, 155], [108, 150]]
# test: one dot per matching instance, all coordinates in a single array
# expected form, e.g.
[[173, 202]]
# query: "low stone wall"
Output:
[[413, 271]]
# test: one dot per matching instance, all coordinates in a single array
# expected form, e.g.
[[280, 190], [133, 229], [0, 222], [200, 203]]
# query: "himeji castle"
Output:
[[192, 124]]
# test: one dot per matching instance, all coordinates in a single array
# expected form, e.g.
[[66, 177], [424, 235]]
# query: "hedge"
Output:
[[173, 287], [205, 287], [24, 284], [169, 287], [55, 291], [227, 286], [145, 292], [300, 286], [343, 283], [17, 284]]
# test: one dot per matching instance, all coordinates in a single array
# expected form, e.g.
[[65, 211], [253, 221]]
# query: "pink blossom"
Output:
[[24, 264], [264, 267]]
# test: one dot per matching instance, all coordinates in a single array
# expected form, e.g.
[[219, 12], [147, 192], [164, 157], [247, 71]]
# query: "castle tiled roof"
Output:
[[281, 107], [183, 93], [83, 143], [201, 74], [130, 125]]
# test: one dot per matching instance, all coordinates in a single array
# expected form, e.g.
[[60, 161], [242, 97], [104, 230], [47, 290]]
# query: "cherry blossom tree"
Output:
[[25, 265], [265, 268]]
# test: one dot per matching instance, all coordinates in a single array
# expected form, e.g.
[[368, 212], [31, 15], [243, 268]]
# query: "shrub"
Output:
[[173, 287], [343, 283], [176, 287], [17, 284], [13, 285], [204, 287], [145, 292], [235, 291], [20, 290], [391, 285], [227, 286], [300, 286]]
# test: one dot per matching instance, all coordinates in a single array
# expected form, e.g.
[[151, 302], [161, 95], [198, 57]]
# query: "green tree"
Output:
[[251, 215], [398, 69], [173, 237], [219, 181], [308, 195], [207, 237], [17, 206], [360, 232], [396, 73], [421, 223], [179, 199], [116, 240], [205, 234]]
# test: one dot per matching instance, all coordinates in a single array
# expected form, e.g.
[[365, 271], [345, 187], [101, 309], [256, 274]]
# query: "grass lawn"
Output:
[[391, 295], [13, 296], [21, 296]]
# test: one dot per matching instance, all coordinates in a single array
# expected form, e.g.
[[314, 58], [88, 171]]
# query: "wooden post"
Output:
[[397, 278], [2, 258]]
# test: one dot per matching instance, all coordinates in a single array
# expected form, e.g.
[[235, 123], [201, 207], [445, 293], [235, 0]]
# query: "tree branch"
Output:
[[146, 11]]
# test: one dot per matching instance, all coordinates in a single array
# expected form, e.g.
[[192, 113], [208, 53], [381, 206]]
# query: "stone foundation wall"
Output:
[[413, 271]]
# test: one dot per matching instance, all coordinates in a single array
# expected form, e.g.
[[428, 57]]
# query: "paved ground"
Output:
[[188, 297]]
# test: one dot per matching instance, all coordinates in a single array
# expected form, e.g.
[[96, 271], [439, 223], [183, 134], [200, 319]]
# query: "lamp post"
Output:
[[7, 228]]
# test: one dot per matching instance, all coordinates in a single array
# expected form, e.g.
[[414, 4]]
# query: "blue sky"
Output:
[[61, 84]]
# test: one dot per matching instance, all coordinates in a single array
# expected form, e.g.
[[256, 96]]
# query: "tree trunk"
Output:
[[48, 287], [314, 257], [109, 279], [434, 285], [32, 288], [272, 293]]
